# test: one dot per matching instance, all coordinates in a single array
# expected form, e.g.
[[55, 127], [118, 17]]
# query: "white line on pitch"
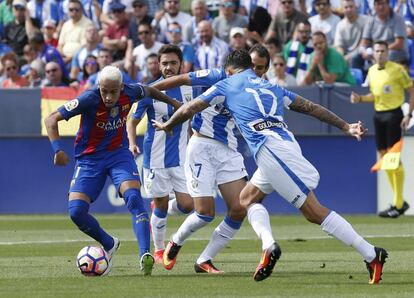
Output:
[[198, 239]]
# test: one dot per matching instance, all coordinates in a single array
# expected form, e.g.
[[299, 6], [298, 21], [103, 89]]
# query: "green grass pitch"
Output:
[[37, 259]]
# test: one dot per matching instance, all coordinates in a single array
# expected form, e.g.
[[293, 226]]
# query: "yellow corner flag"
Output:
[[391, 159]]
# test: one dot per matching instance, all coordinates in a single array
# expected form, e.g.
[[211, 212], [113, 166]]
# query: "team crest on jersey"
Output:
[[202, 73], [221, 109], [114, 112], [70, 105], [187, 97], [387, 89]]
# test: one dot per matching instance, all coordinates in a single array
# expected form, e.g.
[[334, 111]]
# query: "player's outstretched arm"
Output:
[[51, 123], [407, 118], [184, 113], [158, 95], [305, 106], [132, 135], [174, 81], [357, 98]]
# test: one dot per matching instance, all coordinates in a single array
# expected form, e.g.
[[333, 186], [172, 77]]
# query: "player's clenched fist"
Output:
[[61, 158]]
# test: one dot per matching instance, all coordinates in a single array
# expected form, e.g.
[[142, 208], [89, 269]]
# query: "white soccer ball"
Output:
[[92, 261]]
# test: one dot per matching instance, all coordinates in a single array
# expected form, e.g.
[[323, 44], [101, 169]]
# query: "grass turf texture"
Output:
[[37, 259]]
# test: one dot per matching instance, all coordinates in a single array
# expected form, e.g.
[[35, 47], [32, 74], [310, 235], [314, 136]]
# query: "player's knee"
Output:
[[186, 207], [78, 210], [133, 200], [237, 212], [246, 199]]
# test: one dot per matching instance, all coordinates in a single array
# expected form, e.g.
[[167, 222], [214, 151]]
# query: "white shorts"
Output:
[[209, 163], [160, 182], [282, 168]]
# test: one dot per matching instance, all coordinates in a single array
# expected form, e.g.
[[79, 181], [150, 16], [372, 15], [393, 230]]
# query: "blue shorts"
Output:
[[90, 172]]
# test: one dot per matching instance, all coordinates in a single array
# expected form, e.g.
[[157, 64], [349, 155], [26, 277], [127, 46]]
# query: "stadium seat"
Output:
[[358, 75]]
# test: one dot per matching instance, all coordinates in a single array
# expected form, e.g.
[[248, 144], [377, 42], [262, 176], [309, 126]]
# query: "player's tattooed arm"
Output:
[[305, 106], [184, 113], [158, 95]]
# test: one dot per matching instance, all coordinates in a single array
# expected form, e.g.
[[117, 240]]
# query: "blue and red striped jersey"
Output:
[[101, 129]]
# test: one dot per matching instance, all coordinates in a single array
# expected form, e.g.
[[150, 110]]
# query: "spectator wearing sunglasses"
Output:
[[91, 47], [12, 79], [325, 20], [227, 20], [283, 24], [170, 13], [282, 78], [140, 53], [139, 14], [54, 76], [72, 35], [174, 36], [90, 67]]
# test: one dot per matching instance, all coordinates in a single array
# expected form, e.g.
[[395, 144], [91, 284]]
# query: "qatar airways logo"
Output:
[[112, 125]]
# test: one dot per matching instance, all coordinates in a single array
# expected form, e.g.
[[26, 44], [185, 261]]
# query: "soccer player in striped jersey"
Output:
[[101, 149], [164, 155], [257, 108], [212, 158]]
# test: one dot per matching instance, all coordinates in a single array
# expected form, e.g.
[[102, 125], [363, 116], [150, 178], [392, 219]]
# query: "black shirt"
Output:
[[16, 37]]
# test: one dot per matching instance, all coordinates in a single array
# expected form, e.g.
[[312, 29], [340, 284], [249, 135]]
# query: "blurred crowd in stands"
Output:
[[66, 42]]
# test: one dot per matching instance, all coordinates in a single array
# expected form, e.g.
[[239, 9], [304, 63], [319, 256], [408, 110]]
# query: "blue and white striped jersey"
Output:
[[212, 55], [214, 122], [256, 106], [160, 149]]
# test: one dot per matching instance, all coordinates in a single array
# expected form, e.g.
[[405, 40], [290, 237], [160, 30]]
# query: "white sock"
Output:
[[173, 208], [259, 220], [337, 226], [192, 223], [158, 229], [221, 236]]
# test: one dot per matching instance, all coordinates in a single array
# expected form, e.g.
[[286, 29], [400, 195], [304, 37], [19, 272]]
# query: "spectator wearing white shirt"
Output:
[[211, 51], [72, 35], [171, 13], [325, 21], [148, 46]]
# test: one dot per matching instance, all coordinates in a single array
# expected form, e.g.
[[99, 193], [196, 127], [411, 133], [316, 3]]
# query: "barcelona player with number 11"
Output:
[[101, 149]]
